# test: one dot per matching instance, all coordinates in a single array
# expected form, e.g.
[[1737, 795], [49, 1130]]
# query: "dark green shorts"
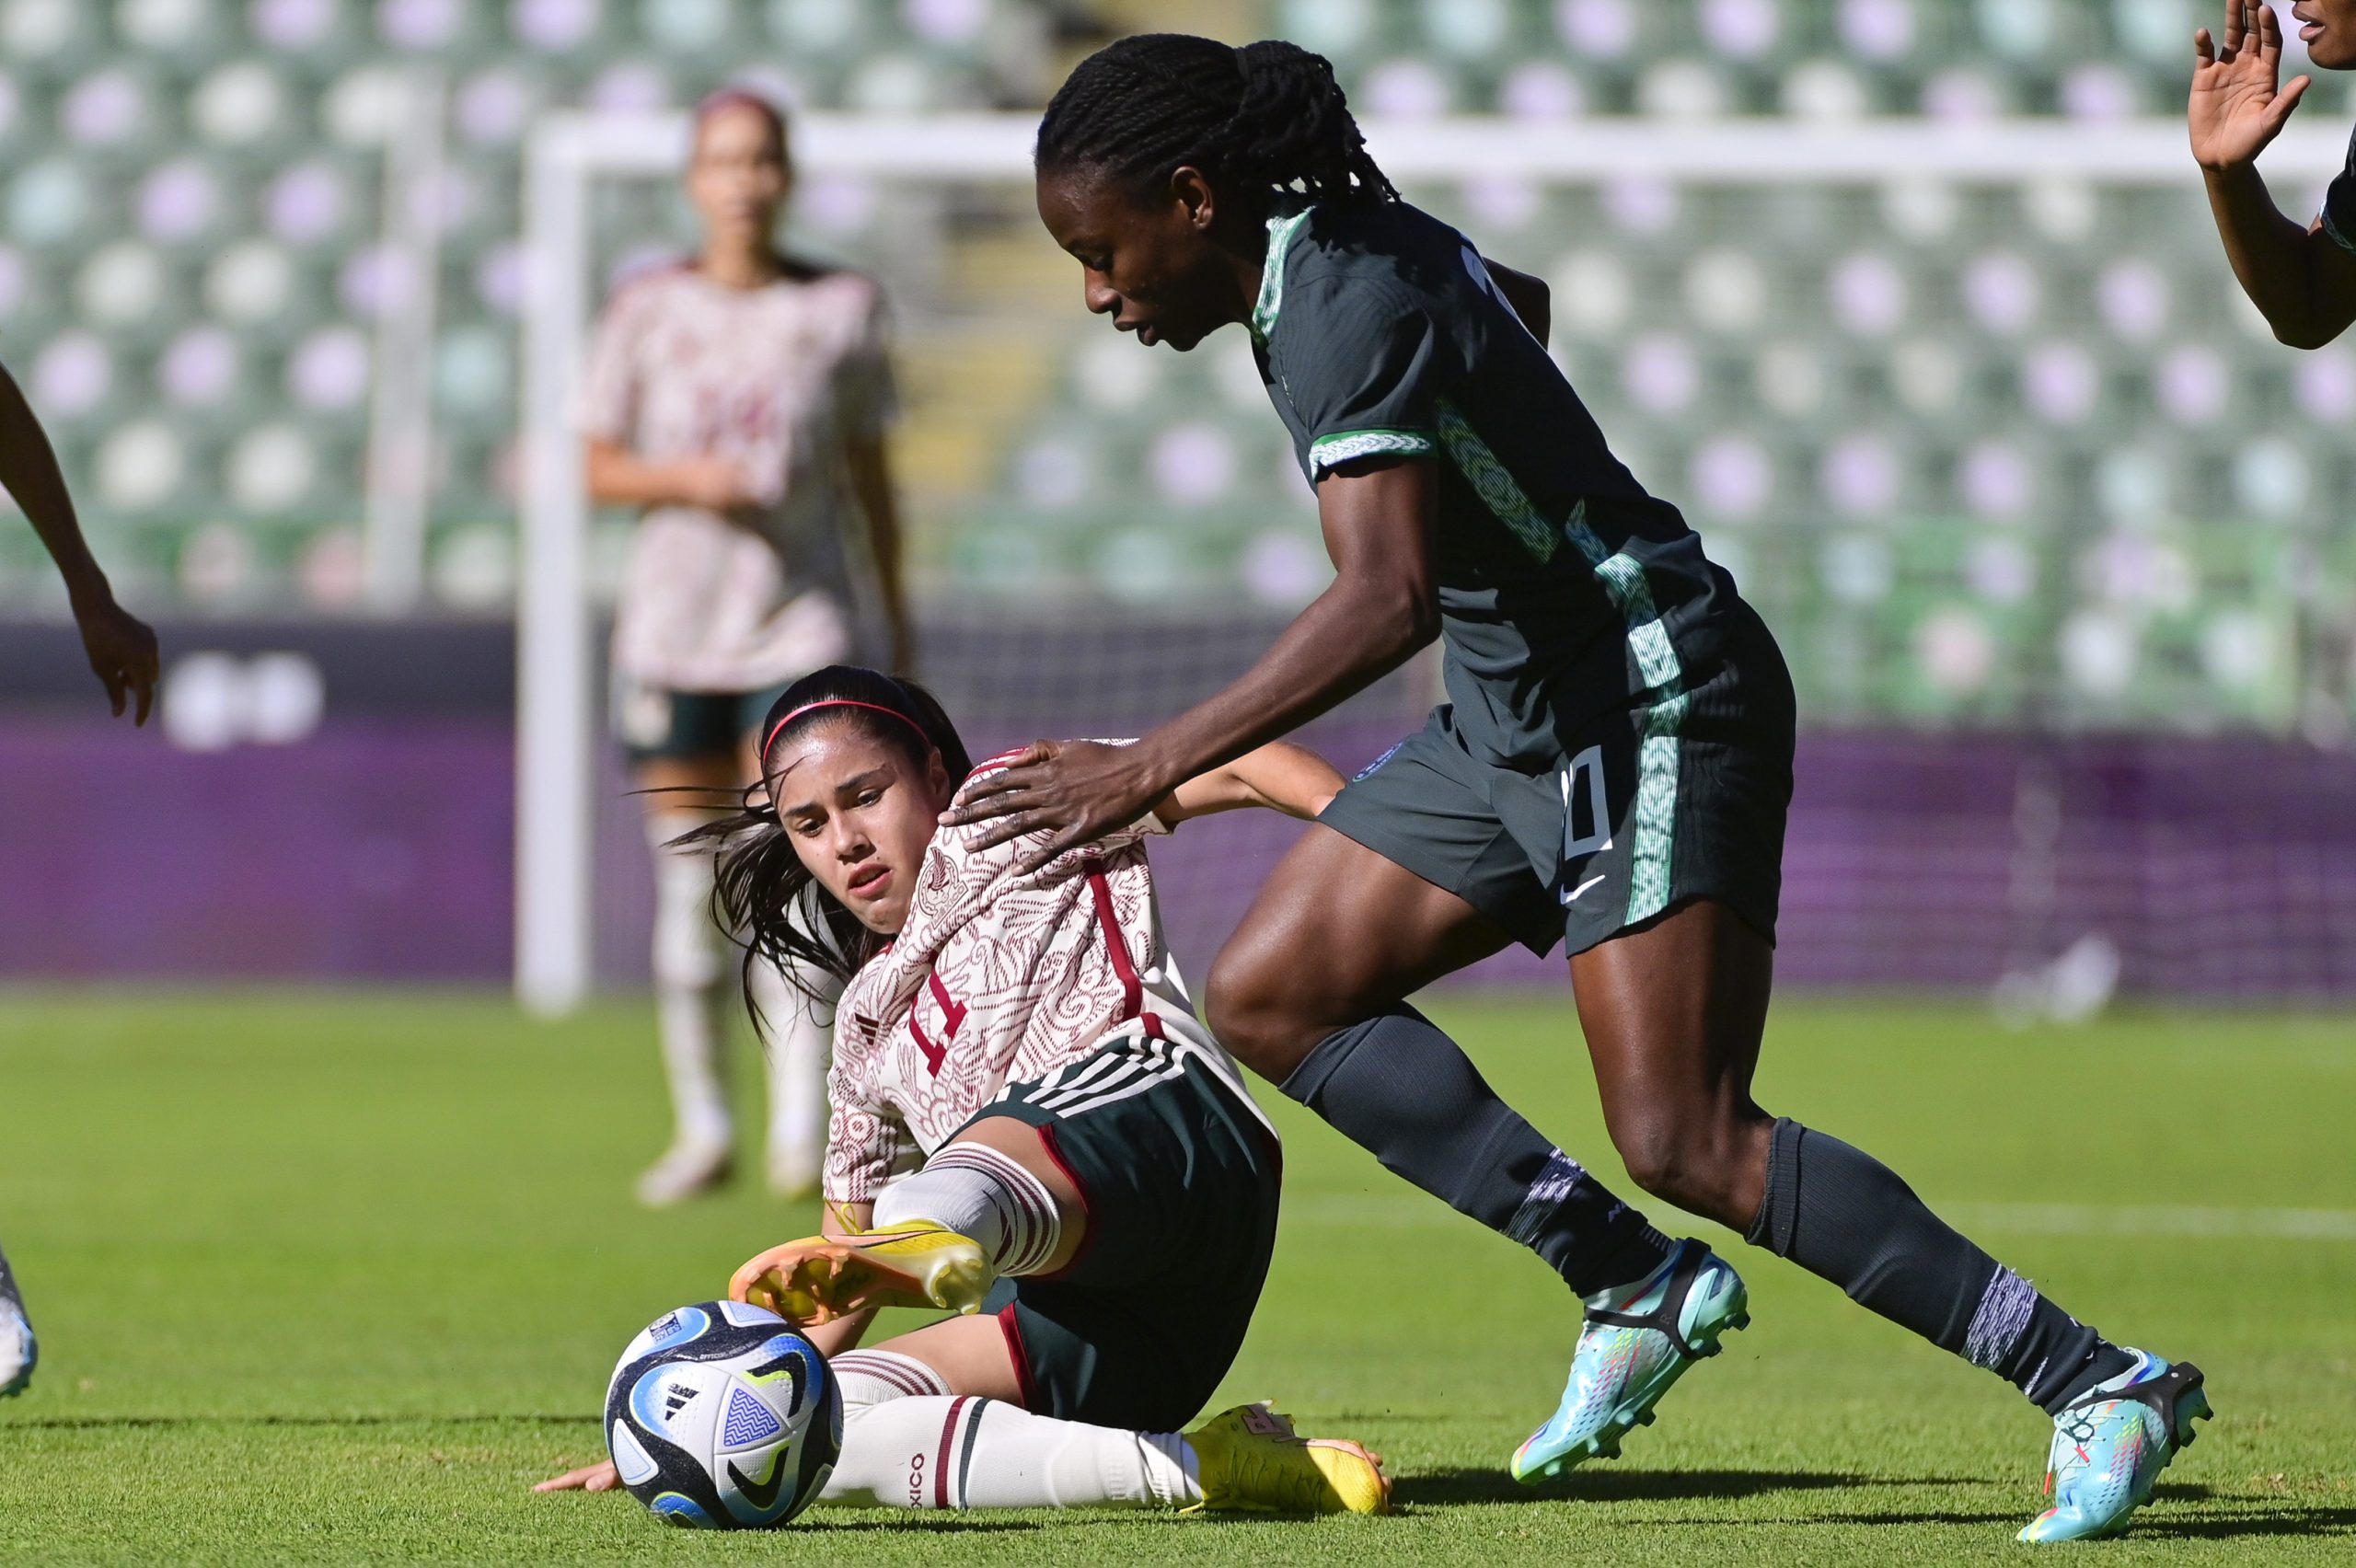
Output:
[[1639, 812], [1181, 1178], [655, 722]]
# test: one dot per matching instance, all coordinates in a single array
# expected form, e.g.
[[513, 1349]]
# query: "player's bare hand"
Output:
[[2238, 105], [122, 652], [599, 1476], [1071, 790]]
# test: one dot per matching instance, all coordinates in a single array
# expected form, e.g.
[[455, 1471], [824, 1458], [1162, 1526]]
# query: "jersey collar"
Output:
[[1281, 229]]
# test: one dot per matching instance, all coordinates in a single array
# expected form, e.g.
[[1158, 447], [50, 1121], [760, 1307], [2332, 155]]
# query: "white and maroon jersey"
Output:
[[995, 979], [777, 379]]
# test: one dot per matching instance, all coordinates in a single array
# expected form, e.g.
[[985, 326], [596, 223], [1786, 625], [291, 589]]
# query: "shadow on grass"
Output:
[[2248, 1519], [1450, 1488]]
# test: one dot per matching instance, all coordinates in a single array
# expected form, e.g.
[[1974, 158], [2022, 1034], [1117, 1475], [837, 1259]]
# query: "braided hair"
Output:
[[1268, 115]]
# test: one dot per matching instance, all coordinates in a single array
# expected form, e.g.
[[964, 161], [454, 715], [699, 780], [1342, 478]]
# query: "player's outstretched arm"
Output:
[[2300, 278], [1383, 605], [121, 647], [1279, 775]]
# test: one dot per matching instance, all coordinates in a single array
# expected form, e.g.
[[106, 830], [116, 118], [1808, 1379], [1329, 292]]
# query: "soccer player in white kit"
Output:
[[121, 650], [739, 399], [1029, 1128]]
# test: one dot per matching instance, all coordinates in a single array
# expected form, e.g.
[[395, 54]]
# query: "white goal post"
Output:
[[556, 727]]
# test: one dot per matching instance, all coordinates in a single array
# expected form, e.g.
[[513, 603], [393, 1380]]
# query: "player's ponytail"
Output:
[[761, 889], [1268, 115]]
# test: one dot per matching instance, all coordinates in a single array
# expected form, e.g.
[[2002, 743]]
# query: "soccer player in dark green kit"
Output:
[[123, 654], [1614, 764]]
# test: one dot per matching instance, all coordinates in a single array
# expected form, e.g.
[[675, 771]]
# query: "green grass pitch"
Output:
[[330, 1278]]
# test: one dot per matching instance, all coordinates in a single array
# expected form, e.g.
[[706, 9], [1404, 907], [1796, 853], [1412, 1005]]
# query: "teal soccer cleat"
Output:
[[1638, 1340], [2111, 1445]]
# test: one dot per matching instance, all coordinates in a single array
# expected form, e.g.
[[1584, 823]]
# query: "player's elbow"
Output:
[[1404, 611], [2304, 332]]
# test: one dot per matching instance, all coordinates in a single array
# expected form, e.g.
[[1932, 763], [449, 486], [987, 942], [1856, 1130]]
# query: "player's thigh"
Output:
[[971, 1355], [1673, 1011], [1336, 935]]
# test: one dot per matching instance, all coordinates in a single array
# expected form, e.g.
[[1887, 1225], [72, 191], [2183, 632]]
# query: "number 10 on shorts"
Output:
[[1586, 818]]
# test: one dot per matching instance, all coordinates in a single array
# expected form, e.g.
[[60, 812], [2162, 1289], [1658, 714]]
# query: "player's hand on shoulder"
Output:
[[599, 1476], [122, 652], [1073, 791], [2239, 102]]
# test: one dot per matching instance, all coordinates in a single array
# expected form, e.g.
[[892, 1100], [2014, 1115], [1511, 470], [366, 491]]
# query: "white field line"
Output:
[[1410, 1213]]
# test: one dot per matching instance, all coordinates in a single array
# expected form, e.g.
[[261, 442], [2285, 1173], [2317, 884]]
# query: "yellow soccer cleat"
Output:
[[1250, 1457], [820, 1278]]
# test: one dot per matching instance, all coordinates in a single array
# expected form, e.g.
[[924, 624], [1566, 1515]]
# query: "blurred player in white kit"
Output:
[[739, 399]]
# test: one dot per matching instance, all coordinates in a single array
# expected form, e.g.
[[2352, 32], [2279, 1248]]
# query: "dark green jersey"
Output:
[[1565, 592], [2338, 213]]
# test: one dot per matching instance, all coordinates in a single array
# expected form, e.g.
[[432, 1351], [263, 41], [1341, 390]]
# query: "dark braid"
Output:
[[1268, 115]]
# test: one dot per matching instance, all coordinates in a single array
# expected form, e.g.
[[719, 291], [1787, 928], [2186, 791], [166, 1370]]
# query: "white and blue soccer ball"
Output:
[[721, 1416]]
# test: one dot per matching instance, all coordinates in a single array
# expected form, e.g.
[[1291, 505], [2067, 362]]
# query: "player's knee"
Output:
[[1693, 1165], [1252, 1013]]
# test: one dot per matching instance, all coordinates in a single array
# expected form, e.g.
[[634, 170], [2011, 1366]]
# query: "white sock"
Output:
[[797, 1042], [976, 1191], [873, 1376], [962, 1452], [688, 975]]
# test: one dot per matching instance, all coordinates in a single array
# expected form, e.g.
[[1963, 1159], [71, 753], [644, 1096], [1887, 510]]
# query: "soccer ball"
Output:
[[721, 1416]]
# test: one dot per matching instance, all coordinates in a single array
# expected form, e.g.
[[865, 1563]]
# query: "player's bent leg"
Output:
[[1673, 1013], [1673, 1024], [934, 1420], [1308, 991], [991, 1203]]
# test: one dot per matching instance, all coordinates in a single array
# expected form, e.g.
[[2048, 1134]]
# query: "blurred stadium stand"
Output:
[[1973, 450], [1991, 460]]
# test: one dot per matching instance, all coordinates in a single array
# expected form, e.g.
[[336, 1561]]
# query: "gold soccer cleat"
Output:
[[1251, 1457], [820, 1278]]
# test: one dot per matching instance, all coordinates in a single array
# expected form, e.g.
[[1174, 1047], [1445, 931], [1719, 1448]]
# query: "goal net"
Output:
[[1967, 409]]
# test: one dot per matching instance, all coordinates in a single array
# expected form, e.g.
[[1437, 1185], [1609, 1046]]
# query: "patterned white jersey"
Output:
[[995, 979], [776, 380]]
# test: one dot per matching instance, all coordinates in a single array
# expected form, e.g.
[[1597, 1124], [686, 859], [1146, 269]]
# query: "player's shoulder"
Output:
[[650, 282], [1359, 272], [1393, 247], [845, 288]]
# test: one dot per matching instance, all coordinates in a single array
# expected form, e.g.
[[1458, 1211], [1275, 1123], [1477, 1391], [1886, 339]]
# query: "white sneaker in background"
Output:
[[690, 1166]]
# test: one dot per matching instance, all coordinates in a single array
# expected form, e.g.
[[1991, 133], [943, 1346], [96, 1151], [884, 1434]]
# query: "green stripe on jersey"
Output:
[[1343, 445], [1272, 272], [1622, 577]]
